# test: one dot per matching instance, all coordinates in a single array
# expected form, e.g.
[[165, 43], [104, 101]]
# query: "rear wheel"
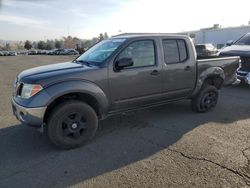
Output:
[[206, 99], [72, 124]]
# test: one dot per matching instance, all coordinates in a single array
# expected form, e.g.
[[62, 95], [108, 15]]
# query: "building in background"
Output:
[[217, 36]]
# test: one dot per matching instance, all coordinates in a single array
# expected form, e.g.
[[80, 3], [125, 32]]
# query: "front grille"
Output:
[[245, 64]]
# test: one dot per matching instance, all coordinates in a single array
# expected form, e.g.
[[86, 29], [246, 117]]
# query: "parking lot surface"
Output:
[[166, 146]]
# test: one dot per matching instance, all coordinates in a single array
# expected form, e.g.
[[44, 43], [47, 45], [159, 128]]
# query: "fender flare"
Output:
[[208, 73], [79, 86]]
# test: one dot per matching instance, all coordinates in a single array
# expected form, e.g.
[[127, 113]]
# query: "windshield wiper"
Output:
[[83, 62]]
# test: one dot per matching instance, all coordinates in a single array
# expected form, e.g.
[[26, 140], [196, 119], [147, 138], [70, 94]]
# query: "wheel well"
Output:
[[216, 81], [90, 100]]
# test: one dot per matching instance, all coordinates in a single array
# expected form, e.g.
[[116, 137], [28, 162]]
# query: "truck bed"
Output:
[[228, 64]]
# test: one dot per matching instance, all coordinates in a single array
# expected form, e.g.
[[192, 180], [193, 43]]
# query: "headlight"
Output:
[[28, 90]]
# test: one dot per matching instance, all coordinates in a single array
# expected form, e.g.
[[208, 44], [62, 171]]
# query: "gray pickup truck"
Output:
[[117, 75]]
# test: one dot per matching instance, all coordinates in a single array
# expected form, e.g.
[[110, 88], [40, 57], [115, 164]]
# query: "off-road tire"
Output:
[[206, 99], [63, 120]]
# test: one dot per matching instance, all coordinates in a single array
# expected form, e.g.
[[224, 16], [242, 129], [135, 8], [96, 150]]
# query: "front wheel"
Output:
[[72, 124], [206, 99]]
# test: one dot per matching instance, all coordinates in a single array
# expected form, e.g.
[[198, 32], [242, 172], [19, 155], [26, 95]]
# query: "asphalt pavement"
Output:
[[166, 146]]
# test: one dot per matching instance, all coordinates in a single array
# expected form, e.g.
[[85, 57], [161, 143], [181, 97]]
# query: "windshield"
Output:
[[101, 51], [245, 40]]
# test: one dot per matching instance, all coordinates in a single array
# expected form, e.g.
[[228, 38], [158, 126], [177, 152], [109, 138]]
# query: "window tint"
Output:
[[175, 51], [182, 50], [171, 54], [141, 52], [245, 40]]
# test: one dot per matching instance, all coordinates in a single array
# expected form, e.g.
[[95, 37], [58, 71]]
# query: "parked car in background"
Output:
[[6, 53], [205, 50], [32, 52], [51, 52], [58, 52], [41, 52], [240, 48], [22, 52], [71, 52], [63, 52], [12, 53], [119, 74], [44, 52]]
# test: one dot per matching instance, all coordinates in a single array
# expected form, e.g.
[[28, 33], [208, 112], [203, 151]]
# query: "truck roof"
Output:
[[133, 35]]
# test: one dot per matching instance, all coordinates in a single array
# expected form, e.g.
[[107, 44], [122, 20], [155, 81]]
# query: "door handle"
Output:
[[155, 72], [187, 68]]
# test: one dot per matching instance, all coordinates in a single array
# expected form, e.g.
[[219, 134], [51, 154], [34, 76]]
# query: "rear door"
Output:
[[179, 70], [140, 84]]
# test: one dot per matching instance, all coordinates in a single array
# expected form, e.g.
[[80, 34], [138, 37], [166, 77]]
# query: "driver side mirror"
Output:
[[123, 62]]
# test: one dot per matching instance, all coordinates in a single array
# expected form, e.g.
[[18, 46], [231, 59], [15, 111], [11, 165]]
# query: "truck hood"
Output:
[[49, 68], [236, 50], [51, 74]]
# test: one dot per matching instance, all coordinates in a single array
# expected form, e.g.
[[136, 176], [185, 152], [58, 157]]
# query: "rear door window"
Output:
[[171, 54], [175, 51]]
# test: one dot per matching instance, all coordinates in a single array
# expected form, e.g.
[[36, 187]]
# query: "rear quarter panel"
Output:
[[225, 68], [228, 65]]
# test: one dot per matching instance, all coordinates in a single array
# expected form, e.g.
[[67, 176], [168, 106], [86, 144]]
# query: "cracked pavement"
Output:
[[166, 146]]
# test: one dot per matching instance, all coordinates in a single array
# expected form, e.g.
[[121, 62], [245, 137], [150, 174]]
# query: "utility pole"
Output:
[[68, 29]]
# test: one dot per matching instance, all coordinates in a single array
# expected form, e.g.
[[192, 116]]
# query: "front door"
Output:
[[140, 84]]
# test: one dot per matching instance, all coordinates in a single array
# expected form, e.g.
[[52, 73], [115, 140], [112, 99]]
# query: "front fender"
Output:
[[59, 89], [208, 73]]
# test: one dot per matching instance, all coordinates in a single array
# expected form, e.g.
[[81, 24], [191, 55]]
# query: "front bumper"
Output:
[[243, 76], [29, 116]]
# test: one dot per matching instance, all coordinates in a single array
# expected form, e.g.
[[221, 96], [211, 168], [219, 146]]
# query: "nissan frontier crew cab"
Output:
[[119, 74]]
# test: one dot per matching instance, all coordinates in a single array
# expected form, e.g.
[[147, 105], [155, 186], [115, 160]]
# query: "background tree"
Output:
[[34, 44], [58, 44], [101, 37], [41, 45], [27, 45], [69, 42], [85, 44], [76, 41], [50, 44], [95, 40], [7, 46], [17, 46], [106, 35], [20, 45], [65, 42]]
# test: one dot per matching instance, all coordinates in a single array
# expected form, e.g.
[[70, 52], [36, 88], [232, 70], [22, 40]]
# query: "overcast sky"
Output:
[[49, 19]]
